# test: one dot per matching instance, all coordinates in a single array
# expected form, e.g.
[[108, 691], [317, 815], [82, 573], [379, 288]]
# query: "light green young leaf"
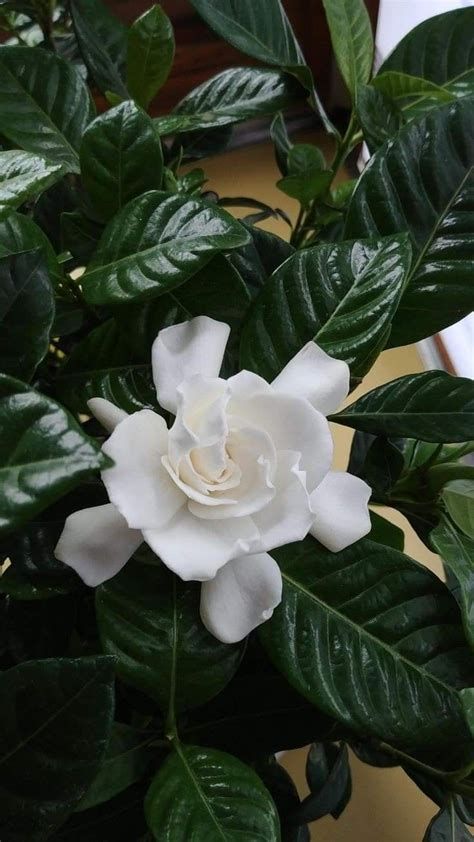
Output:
[[458, 497], [150, 53], [352, 40]]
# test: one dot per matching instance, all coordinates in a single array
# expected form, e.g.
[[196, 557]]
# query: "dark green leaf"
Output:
[[281, 142], [26, 313], [18, 586], [54, 726], [342, 295], [439, 49], [236, 94], [125, 760], [352, 40], [378, 116], [457, 552], [19, 233], [119, 820], [205, 794], [80, 235], [23, 176], [404, 188], [44, 104], [102, 40], [334, 791], [447, 827], [150, 53], [43, 453], [433, 406], [38, 628], [402, 87], [306, 186], [374, 639], [121, 158], [385, 532], [285, 795], [150, 621], [458, 497], [156, 243], [257, 260], [382, 466]]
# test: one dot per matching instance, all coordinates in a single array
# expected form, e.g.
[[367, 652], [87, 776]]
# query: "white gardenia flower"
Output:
[[244, 468]]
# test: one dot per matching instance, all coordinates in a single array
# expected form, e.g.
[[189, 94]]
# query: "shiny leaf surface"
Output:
[[19, 233], [352, 40], [156, 243], [239, 93], [378, 116], [23, 176], [342, 295], [203, 794], [26, 313], [433, 406], [374, 639], [458, 497], [457, 552], [54, 727], [102, 40], [43, 452], [121, 158], [404, 188], [47, 119], [150, 53], [162, 649]]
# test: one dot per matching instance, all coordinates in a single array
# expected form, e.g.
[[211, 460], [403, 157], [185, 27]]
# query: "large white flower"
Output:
[[244, 468]]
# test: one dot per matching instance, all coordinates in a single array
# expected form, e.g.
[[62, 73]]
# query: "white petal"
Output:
[[243, 595], [314, 375], [288, 516], [246, 384], [179, 351], [138, 484], [97, 543], [106, 413], [292, 424], [342, 514], [196, 549], [201, 420]]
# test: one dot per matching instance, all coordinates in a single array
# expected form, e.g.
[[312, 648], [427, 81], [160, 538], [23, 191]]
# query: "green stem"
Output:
[[448, 777]]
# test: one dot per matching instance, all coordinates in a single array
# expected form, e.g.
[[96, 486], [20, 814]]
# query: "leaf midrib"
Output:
[[201, 794], [360, 631]]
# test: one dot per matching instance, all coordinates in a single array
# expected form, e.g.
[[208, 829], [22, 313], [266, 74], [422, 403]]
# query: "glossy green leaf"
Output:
[[203, 794], [44, 104], [54, 727], [126, 759], [23, 176], [236, 94], [458, 497], [281, 142], [19, 233], [26, 313], [402, 86], [342, 295], [102, 40], [378, 116], [331, 792], [80, 235], [257, 260], [385, 532], [150, 53], [162, 649], [447, 827], [17, 586], [439, 49], [433, 406], [285, 795], [118, 820], [306, 185], [352, 40], [374, 639], [154, 244], [121, 158], [43, 453], [457, 553], [404, 188]]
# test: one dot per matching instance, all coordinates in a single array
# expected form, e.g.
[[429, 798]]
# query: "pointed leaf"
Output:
[[23, 176], [43, 453], [26, 313], [236, 94], [19, 233], [150, 53], [404, 188], [402, 86], [102, 40], [458, 497], [203, 794], [155, 243], [374, 639], [433, 406], [447, 827], [162, 649], [342, 295], [378, 116], [352, 40], [54, 727], [457, 552], [44, 104], [121, 158]]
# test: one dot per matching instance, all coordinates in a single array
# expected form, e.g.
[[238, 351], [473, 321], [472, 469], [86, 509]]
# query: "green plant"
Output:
[[121, 716]]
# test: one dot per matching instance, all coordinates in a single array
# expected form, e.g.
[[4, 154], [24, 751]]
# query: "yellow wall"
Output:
[[386, 806]]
